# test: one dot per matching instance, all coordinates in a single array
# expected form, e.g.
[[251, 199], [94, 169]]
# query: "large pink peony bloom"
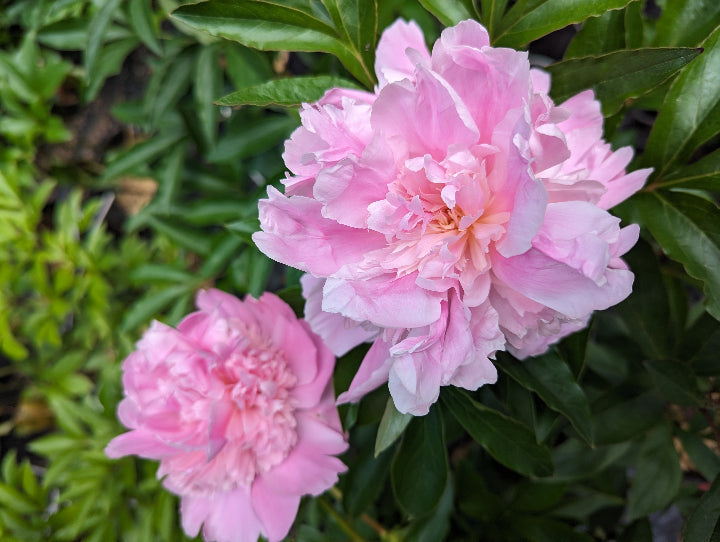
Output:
[[454, 212], [237, 405]]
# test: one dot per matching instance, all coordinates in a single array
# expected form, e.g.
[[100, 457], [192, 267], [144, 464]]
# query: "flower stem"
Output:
[[344, 524]]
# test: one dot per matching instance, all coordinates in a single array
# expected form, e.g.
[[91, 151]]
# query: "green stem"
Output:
[[344, 524]]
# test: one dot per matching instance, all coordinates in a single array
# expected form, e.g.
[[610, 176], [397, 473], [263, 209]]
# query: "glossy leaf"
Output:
[[550, 377], [435, 525], [686, 23], [626, 418], [618, 76], [365, 480], [599, 35], [688, 229], [530, 19], [676, 382], [704, 523], [658, 474], [704, 459], [645, 312], [545, 529], [702, 175], [392, 425], [491, 13], [420, 468], [691, 112], [450, 12], [267, 25], [508, 441], [286, 92], [574, 460]]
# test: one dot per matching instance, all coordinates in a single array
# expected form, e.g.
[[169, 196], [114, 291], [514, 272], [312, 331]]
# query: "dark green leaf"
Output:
[[705, 460], [267, 25], [228, 247], [575, 460], [140, 155], [645, 312], [658, 474], [702, 175], [530, 19], [688, 229], [550, 377], [686, 23], [638, 531], [356, 21], [141, 19], [252, 138], [436, 525], [586, 502], [599, 35], [676, 382], [392, 425], [150, 306], [286, 92], [618, 76], [532, 496], [544, 529], [491, 13], [701, 345], [508, 441], [96, 34], [450, 12], [110, 60], [160, 273], [691, 112], [627, 418], [365, 481], [207, 84], [422, 450]]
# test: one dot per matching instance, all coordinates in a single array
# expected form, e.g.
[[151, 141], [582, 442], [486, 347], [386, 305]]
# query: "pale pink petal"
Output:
[[339, 333], [372, 373], [276, 511], [295, 233], [391, 61], [382, 301]]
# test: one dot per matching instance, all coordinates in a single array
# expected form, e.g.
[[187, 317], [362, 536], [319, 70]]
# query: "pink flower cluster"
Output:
[[237, 405], [454, 212]]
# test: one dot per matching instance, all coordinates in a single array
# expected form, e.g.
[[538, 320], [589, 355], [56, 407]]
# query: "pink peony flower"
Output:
[[237, 405], [454, 212]]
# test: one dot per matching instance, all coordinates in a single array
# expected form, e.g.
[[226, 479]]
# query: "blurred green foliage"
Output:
[[103, 101]]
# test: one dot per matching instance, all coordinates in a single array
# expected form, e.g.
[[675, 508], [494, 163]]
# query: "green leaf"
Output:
[[150, 305], [491, 11], [110, 60], [550, 377], [13, 500], [691, 112], [645, 312], [356, 21], [701, 345], [436, 525], [160, 273], [627, 418], [187, 237], [207, 82], [599, 35], [274, 26], [450, 12], [505, 439], [288, 92], [658, 474], [252, 138], [392, 425], [637, 531], [228, 247], [618, 76], [140, 155], [676, 382], [528, 20], [701, 175], [544, 529], [706, 461], [574, 460], [688, 229], [420, 469], [96, 34], [686, 23], [365, 481], [141, 20]]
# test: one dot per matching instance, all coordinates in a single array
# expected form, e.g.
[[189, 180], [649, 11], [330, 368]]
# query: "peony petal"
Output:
[[372, 373], [382, 301], [391, 61], [295, 233], [276, 511]]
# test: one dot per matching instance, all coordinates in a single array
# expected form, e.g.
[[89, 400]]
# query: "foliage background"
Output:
[[124, 189]]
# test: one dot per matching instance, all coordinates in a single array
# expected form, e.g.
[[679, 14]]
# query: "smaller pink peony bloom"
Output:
[[237, 405]]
